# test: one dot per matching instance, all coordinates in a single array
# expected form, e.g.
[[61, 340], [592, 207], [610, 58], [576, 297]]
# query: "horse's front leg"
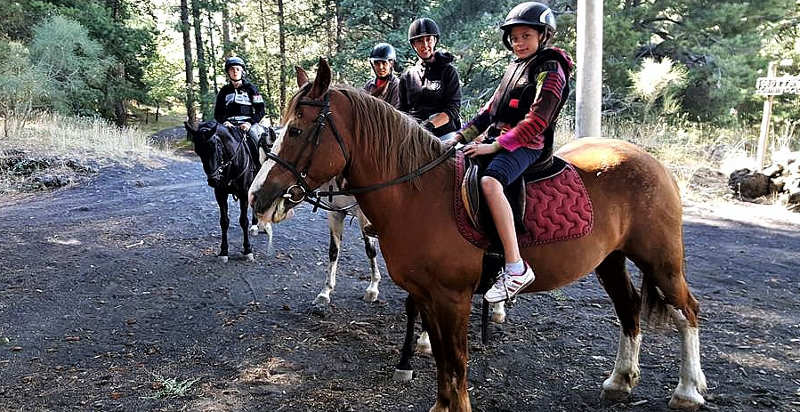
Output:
[[224, 222], [371, 247], [447, 320], [244, 222], [336, 226]]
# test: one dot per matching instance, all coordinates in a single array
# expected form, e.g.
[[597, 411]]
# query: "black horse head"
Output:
[[220, 151]]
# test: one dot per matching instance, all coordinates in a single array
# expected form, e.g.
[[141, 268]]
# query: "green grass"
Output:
[[172, 387]]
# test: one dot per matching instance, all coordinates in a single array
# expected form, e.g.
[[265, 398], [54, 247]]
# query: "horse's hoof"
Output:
[[253, 230], [424, 348], [615, 394], [694, 404], [321, 300], [322, 311], [223, 259], [371, 296], [498, 317], [401, 375], [249, 257]]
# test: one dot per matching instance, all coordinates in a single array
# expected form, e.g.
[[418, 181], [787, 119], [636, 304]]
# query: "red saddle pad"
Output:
[[557, 208]]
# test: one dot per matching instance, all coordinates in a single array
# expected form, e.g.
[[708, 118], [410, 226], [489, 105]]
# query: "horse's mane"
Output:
[[394, 139]]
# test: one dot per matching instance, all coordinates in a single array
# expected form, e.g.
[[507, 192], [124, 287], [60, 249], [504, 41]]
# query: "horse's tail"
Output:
[[656, 313]]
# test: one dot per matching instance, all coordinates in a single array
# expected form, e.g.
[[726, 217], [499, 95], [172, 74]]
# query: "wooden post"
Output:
[[589, 89], [772, 71]]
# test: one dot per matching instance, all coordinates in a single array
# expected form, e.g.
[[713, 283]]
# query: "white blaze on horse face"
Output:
[[261, 177]]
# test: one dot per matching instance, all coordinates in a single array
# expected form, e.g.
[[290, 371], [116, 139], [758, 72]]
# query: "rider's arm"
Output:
[[401, 95], [528, 132], [219, 107], [451, 96], [258, 104]]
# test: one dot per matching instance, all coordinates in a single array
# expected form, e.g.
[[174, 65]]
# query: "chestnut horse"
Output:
[[637, 208]]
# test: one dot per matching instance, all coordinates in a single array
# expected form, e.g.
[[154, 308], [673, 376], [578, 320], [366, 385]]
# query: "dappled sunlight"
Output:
[[756, 361], [273, 371]]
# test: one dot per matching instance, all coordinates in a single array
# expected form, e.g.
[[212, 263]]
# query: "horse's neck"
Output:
[[397, 202]]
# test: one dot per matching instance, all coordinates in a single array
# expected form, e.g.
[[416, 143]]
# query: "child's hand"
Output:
[[473, 149]]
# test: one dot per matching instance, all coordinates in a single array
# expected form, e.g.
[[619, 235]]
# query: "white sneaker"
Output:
[[508, 285]]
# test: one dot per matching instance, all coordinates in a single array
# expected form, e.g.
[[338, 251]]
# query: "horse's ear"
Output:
[[322, 81], [302, 77], [191, 130]]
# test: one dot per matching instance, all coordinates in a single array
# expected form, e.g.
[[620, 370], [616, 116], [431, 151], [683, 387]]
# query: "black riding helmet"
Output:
[[423, 27], [383, 51], [234, 61], [533, 14]]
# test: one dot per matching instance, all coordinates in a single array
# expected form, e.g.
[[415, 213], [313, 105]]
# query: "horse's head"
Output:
[[309, 149], [210, 142]]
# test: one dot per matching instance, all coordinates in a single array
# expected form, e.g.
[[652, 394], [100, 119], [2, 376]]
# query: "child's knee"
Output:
[[491, 185]]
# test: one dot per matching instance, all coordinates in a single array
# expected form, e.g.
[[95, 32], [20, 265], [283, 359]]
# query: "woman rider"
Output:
[[385, 84], [520, 119], [430, 90]]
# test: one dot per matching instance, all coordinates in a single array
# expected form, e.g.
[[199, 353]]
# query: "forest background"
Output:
[[683, 67]]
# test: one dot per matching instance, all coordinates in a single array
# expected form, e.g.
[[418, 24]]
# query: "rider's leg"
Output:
[[505, 168]]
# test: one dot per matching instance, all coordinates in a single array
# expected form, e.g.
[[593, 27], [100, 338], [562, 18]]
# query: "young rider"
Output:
[[520, 118], [239, 104], [385, 84]]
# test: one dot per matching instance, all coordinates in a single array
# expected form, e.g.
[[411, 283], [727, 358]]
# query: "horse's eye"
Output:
[[294, 132]]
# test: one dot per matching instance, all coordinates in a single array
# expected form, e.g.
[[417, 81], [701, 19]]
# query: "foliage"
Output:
[[163, 80], [73, 63], [23, 88]]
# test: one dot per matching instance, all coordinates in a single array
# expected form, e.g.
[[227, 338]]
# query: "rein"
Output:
[[224, 166], [301, 191]]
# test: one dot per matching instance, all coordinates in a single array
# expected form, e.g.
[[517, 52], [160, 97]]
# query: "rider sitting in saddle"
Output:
[[520, 118], [430, 90], [385, 84], [239, 104]]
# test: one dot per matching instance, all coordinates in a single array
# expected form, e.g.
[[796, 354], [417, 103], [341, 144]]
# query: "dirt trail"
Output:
[[109, 288]]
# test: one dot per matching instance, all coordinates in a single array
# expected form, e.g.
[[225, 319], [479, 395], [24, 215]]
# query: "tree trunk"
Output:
[[187, 59], [212, 56], [226, 30], [120, 108], [282, 47], [267, 77], [202, 72], [158, 110]]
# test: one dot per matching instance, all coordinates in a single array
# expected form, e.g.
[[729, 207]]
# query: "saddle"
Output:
[[472, 197], [549, 203]]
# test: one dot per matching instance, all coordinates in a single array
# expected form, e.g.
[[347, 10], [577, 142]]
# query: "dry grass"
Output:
[[84, 139], [691, 151]]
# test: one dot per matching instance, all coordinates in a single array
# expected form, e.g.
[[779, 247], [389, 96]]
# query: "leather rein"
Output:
[[301, 190]]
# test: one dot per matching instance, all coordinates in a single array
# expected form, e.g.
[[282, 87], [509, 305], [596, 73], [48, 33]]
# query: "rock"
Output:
[[773, 171], [750, 185]]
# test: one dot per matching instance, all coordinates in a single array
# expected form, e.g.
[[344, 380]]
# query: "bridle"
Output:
[[221, 172], [301, 190]]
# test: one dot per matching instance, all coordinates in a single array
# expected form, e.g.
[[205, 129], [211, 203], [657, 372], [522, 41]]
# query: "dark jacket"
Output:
[[239, 104], [524, 108], [431, 88], [388, 92]]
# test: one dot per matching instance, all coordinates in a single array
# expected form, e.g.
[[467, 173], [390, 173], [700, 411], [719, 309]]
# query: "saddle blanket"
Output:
[[557, 208]]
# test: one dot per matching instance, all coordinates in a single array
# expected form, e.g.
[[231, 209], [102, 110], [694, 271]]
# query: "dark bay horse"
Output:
[[637, 215], [230, 168]]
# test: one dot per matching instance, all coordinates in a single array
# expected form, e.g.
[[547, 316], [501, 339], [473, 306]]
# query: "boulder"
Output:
[[750, 185]]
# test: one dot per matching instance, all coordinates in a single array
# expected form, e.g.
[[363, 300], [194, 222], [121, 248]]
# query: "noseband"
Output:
[[301, 190]]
